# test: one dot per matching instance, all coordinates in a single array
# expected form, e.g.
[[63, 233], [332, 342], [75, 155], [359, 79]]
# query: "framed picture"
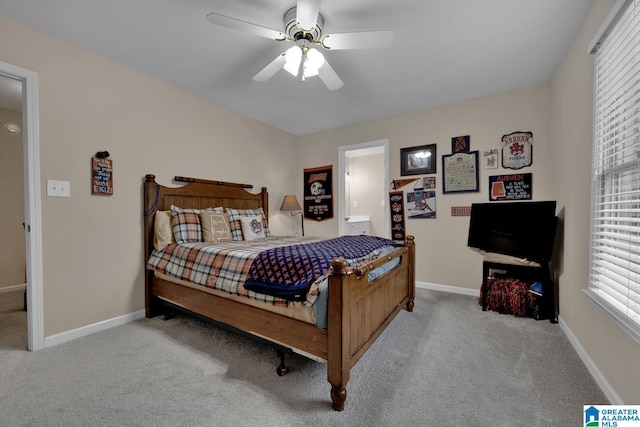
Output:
[[460, 173], [418, 160]]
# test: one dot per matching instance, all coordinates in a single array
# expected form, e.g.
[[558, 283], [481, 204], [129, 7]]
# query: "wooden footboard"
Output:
[[358, 311]]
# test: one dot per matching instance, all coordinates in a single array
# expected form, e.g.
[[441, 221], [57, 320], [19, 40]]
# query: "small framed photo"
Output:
[[418, 160]]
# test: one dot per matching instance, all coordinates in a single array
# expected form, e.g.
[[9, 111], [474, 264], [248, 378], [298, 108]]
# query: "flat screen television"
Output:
[[521, 229]]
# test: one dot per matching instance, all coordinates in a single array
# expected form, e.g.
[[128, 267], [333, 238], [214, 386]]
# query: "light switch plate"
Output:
[[57, 188]]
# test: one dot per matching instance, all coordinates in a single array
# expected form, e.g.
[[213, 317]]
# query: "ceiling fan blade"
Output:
[[271, 69], [358, 40], [307, 13], [329, 77], [237, 24]]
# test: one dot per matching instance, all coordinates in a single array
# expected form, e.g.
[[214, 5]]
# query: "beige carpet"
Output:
[[446, 364], [13, 321]]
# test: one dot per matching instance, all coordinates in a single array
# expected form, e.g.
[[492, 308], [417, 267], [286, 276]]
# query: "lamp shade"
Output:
[[290, 204]]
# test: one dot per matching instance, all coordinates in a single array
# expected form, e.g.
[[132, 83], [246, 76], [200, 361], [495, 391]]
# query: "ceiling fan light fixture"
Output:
[[292, 57], [313, 60]]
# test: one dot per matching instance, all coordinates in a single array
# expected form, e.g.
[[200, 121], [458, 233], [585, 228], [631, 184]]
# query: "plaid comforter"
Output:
[[227, 266]]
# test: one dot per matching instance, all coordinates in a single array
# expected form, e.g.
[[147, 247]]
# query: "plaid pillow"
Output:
[[236, 225], [185, 224]]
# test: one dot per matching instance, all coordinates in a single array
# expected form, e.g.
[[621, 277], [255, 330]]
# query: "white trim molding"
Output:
[[597, 375], [446, 288], [13, 288], [92, 329]]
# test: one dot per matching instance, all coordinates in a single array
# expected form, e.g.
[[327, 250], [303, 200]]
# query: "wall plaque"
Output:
[[510, 187], [102, 176]]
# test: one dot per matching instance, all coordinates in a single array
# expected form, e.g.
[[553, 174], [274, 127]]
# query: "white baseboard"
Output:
[[13, 288], [597, 375], [91, 329], [450, 289]]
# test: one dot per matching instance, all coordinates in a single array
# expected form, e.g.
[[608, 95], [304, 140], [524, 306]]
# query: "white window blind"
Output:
[[614, 265]]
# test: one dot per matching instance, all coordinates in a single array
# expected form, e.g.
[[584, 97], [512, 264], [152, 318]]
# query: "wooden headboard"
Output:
[[198, 194], [195, 194]]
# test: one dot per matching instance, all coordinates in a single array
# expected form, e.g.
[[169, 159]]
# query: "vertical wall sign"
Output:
[[102, 176], [517, 150], [396, 204], [318, 197]]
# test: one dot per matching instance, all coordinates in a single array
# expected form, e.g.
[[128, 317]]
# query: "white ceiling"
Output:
[[444, 51]]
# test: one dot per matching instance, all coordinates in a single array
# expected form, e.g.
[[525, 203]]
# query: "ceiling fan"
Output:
[[303, 26]]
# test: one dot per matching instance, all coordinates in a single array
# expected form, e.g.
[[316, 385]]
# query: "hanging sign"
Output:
[[318, 197], [510, 187], [397, 184], [102, 176], [396, 204], [461, 144], [517, 150]]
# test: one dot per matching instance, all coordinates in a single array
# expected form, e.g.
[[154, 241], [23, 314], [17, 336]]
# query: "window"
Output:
[[614, 264]]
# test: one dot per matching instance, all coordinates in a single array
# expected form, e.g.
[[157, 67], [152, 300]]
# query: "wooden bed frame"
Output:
[[358, 311]]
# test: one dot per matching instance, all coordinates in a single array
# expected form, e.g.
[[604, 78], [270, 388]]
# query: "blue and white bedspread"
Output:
[[288, 271]]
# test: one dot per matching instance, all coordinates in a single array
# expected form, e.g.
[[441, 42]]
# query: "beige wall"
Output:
[[12, 245], [614, 353], [441, 243], [92, 245]]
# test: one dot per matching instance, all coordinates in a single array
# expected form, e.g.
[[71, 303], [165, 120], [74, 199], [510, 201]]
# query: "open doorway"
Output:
[[13, 330], [363, 188], [31, 198]]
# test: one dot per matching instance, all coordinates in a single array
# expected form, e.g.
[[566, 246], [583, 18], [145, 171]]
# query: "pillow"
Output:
[[162, 232], [236, 225], [215, 227], [252, 228], [185, 224]]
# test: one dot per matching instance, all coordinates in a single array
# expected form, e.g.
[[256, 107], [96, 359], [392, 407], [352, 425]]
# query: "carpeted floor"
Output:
[[13, 321], [446, 364]]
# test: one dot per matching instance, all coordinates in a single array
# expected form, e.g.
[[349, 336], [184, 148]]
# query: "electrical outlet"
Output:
[[57, 188]]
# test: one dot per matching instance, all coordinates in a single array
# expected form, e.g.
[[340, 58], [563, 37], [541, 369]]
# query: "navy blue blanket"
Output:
[[288, 271]]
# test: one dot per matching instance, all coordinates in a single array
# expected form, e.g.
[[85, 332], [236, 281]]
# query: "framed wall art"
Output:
[[418, 160], [460, 173]]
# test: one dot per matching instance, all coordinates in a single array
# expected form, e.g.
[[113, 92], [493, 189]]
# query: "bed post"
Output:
[[338, 354], [151, 197], [411, 247]]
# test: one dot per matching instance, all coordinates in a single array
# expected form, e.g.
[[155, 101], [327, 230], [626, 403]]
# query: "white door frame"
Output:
[[32, 207], [342, 151]]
